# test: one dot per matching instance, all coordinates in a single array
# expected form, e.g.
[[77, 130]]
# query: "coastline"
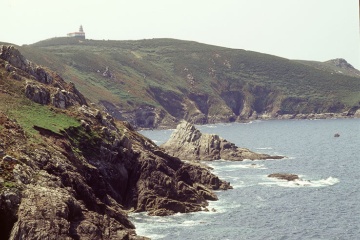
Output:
[[269, 117]]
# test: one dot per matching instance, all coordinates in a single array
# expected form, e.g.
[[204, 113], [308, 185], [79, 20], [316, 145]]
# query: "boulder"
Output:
[[188, 143]]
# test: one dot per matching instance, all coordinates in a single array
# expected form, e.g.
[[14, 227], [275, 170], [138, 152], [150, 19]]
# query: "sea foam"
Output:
[[330, 181]]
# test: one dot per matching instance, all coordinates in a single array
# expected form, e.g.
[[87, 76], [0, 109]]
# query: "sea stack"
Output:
[[188, 143]]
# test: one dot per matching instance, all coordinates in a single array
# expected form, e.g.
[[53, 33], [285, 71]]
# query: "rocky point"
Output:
[[81, 182]]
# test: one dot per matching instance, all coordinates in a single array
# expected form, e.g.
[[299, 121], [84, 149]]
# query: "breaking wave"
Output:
[[330, 181]]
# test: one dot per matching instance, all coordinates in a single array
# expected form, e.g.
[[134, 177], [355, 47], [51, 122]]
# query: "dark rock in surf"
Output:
[[284, 176]]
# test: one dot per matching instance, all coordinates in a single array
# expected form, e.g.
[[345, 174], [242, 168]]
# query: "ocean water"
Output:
[[324, 204]]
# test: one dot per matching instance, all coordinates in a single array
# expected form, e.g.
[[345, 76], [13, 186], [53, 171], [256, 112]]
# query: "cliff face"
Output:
[[186, 142], [70, 171]]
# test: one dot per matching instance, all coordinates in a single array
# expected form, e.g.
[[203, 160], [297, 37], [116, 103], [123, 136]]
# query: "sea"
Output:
[[323, 204]]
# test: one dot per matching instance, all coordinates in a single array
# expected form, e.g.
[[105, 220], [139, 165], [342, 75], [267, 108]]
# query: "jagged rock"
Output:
[[188, 143], [17, 60], [41, 75], [61, 99], [179, 187], [64, 99], [341, 63], [37, 93], [284, 176], [14, 57]]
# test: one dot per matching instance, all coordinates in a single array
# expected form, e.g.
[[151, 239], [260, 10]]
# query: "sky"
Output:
[[296, 29]]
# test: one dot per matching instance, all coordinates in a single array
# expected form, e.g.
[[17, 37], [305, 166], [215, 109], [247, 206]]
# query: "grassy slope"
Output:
[[27, 113], [144, 68]]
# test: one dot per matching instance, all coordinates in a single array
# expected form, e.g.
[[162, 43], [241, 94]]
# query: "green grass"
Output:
[[8, 184], [165, 63], [29, 114]]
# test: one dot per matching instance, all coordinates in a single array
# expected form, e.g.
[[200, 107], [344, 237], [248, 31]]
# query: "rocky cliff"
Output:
[[187, 142], [80, 181]]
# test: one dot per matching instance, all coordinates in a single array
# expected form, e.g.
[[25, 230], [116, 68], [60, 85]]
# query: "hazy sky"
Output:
[[296, 29]]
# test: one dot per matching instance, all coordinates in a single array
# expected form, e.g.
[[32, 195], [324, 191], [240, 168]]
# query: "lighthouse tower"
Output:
[[79, 34]]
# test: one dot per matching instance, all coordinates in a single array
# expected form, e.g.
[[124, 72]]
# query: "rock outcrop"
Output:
[[81, 182], [188, 143], [42, 86]]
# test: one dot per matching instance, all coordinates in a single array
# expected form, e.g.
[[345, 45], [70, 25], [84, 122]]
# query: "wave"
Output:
[[230, 167], [210, 126], [330, 181], [254, 166], [264, 148]]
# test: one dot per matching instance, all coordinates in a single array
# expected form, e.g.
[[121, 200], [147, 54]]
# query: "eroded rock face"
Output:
[[41, 85], [189, 143], [37, 93]]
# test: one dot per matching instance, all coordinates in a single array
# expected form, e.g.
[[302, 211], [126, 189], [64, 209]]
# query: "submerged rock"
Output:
[[284, 176], [188, 143]]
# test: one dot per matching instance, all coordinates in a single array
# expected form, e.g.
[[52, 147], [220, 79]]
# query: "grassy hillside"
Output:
[[153, 81], [28, 113]]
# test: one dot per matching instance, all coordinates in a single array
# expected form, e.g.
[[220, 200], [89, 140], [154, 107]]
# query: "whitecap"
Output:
[[327, 182], [264, 148], [330, 181], [219, 206], [190, 223], [254, 166]]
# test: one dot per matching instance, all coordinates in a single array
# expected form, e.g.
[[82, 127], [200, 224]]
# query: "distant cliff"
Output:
[[158, 82], [71, 171]]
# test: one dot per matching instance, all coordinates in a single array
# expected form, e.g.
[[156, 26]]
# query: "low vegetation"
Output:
[[28, 113], [141, 70]]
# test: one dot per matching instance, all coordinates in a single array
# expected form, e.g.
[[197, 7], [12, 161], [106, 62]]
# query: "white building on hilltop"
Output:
[[79, 34]]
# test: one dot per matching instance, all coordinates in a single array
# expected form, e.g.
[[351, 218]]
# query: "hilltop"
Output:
[[157, 82]]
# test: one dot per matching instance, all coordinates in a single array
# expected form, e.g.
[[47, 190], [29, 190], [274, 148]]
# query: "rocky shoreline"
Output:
[[79, 182], [267, 117]]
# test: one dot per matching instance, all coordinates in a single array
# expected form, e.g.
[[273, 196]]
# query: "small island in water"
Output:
[[188, 143]]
